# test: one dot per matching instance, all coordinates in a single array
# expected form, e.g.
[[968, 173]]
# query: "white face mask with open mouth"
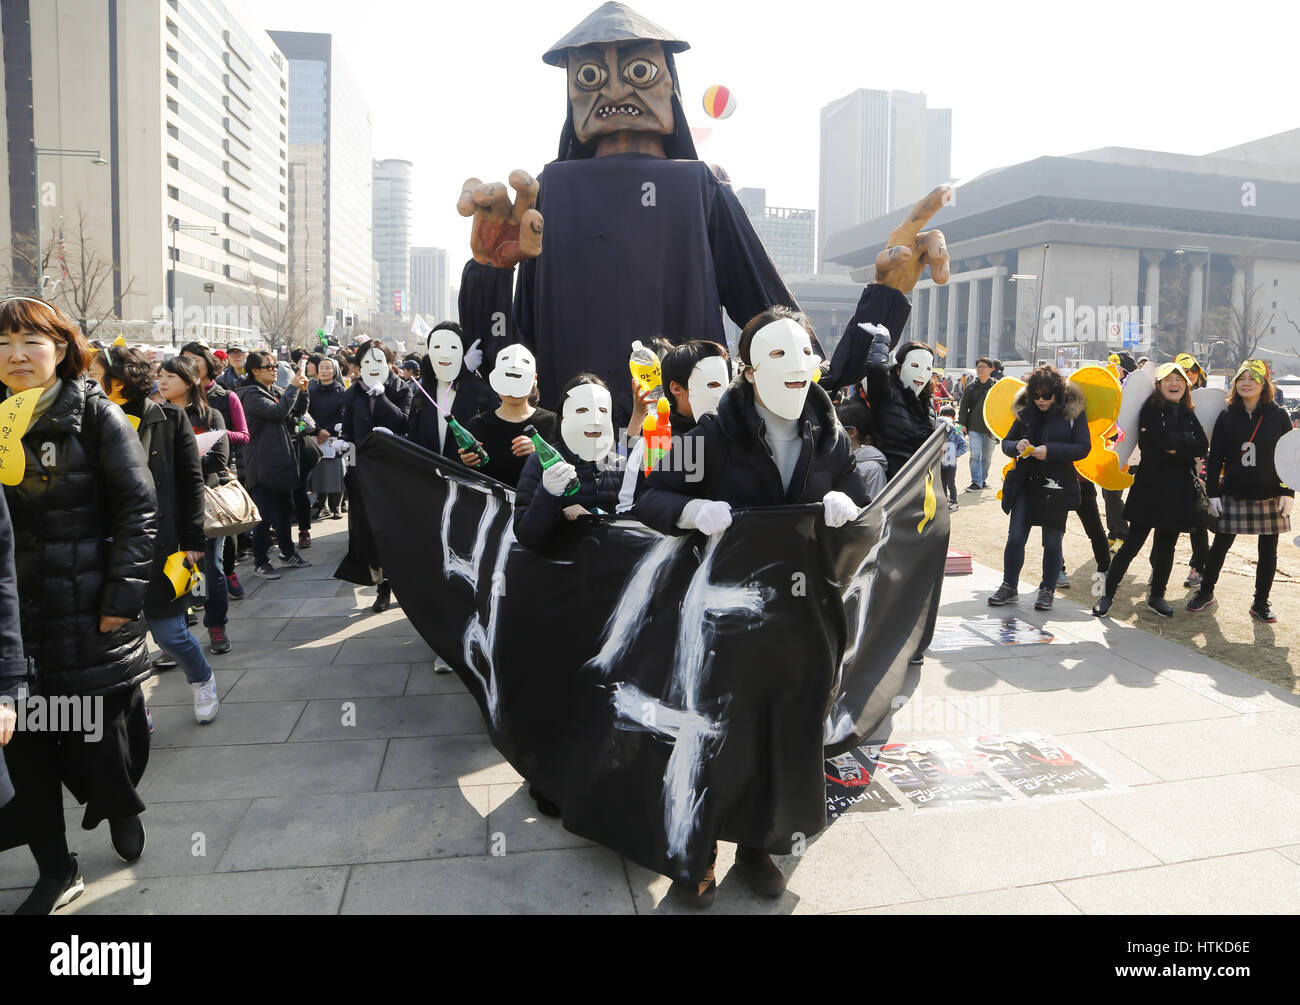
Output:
[[514, 372], [707, 382], [374, 368], [783, 362], [586, 421], [915, 371], [445, 354]]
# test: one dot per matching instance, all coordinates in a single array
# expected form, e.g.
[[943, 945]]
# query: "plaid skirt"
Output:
[[1252, 516]]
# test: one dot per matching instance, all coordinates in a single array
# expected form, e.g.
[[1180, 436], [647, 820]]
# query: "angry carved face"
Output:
[[618, 87]]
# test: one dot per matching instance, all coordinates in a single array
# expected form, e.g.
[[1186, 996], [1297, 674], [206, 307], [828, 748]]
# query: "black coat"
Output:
[[540, 515], [1163, 495], [216, 462], [168, 440], [13, 665], [1052, 484], [473, 395], [271, 457], [737, 466], [903, 421], [362, 413], [1232, 430], [326, 405], [970, 412], [84, 540]]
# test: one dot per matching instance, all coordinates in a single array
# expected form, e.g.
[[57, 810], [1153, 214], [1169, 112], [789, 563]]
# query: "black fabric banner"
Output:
[[667, 692]]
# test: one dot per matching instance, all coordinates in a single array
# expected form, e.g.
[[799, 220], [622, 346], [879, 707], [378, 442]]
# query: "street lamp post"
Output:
[[96, 157], [176, 225]]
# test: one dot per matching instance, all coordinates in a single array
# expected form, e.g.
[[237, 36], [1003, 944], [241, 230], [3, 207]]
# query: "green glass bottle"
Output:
[[466, 441], [548, 455]]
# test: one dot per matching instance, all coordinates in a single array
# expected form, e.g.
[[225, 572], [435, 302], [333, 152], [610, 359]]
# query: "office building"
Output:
[[789, 235], [430, 289], [392, 235]]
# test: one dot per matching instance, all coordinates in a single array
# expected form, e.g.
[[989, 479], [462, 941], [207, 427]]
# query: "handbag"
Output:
[[228, 509], [1202, 518]]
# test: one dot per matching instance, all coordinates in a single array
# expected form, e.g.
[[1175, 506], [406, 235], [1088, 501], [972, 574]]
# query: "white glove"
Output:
[[713, 517], [374, 390], [838, 508], [1216, 507], [473, 358], [382, 429], [557, 477], [1285, 503], [338, 427], [342, 446]]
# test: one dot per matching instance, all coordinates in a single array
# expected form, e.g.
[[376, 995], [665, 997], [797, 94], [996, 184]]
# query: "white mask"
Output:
[[915, 371], [514, 372], [707, 382], [445, 354], [586, 421], [793, 364], [374, 368]]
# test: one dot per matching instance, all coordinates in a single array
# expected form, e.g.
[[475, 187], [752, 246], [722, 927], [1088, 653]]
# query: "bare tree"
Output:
[[282, 317], [1242, 324]]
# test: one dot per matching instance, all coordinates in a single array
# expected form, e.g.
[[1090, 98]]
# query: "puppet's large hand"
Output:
[[910, 249], [502, 235]]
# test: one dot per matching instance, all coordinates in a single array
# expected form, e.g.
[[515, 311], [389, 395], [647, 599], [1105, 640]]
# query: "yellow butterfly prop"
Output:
[[1102, 392], [15, 417]]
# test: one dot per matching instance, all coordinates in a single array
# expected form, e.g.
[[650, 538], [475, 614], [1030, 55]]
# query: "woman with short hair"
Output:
[[84, 524]]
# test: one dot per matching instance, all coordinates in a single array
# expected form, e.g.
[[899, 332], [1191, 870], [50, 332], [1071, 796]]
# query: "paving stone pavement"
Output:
[[344, 776]]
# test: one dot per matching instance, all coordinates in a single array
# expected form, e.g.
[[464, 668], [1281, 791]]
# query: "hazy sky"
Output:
[[461, 90]]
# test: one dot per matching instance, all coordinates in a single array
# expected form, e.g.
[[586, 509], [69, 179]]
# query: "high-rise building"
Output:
[[330, 209], [789, 235], [141, 128], [392, 235], [880, 150], [430, 290]]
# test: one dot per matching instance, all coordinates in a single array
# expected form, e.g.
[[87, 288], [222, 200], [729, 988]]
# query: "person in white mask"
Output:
[[447, 377], [543, 501], [774, 441], [502, 430], [695, 374], [899, 397]]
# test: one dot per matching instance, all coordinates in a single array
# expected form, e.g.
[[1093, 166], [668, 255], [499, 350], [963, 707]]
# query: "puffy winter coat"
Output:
[[84, 524], [271, 457], [362, 414], [327, 404], [903, 421], [1232, 430], [736, 465], [1163, 495], [1052, 484], [539, 516]]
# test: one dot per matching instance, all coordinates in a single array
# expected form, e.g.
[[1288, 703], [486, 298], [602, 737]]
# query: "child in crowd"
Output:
[[856, 420], [954, 448]]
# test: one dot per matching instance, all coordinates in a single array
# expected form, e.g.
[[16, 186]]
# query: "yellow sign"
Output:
[[15, 417]]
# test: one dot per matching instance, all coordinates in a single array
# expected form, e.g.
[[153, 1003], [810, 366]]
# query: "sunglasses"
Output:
[[265, 367], [1040, 396]]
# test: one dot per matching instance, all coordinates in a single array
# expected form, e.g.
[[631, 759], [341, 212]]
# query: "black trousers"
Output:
[[949, 476], [1090, 517], [1116, 524], [1200, 538], [1162, 558], [1264, 571], [101, 774]]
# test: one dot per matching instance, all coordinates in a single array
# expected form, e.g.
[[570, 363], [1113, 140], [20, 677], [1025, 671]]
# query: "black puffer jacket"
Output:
[[903, 421], [83, 520], [168, 440], [362, 414], [1232, 431], [539, 516], [271, 457], [1163, 495], [326, 404], [1053, 484], [735, 463]]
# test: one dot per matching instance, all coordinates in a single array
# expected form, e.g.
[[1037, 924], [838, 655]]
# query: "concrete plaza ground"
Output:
[[344, 776]]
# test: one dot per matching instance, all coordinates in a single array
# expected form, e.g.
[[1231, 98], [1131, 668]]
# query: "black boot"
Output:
[[383, 594]]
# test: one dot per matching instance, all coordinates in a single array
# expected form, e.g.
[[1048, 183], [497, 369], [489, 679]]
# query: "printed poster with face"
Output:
[[1010, 631], [1036, 764], [851, 785], [931, 773], [954, 634]]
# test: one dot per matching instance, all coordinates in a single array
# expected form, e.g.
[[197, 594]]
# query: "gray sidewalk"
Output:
[[344, 776]]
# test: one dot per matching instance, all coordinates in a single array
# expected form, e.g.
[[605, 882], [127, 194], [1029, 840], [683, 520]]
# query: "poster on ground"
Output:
[[1036, 764]]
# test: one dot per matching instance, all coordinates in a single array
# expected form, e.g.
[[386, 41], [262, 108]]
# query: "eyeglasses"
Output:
[[271, 367]]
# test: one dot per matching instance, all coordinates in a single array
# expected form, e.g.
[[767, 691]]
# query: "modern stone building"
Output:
[[430, 290], [392, 235], [330, 207], [163, 124], [789, 235], [1068, 258]]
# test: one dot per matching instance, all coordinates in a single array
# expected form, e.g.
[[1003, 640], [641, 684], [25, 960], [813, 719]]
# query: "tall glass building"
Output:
[[392, 234]]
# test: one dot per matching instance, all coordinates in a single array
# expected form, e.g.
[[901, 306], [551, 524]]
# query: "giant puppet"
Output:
[[642, 238]]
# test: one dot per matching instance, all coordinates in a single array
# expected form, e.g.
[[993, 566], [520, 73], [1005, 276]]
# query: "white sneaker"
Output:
[[205, 700]]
